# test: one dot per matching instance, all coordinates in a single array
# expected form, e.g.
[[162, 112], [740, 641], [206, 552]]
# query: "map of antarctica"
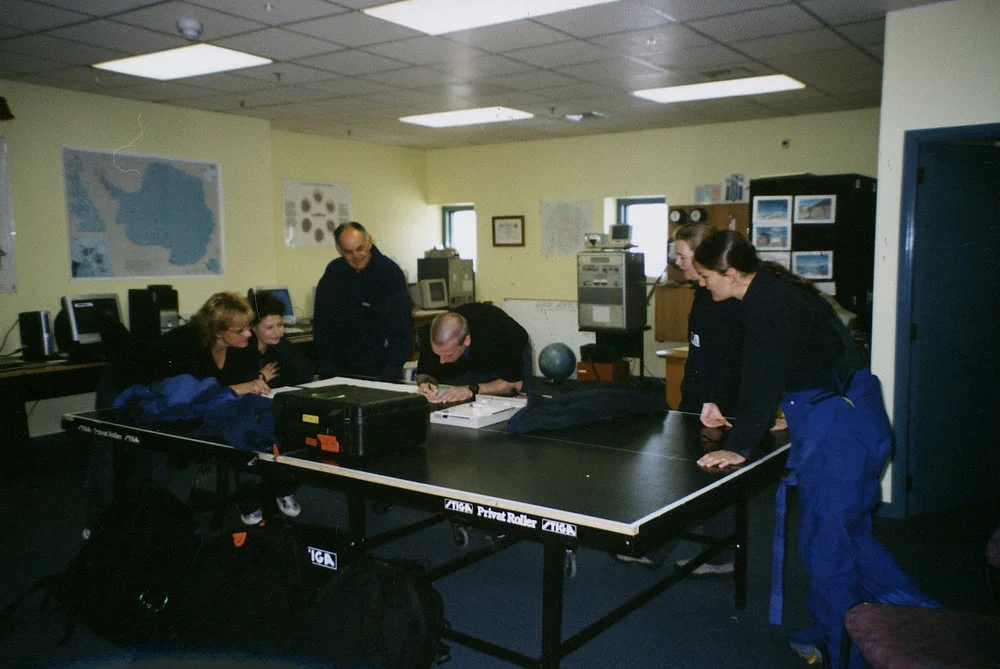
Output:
[[141, 216]]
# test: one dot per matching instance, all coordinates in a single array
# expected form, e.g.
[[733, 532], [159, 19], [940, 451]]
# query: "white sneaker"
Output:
[[255, 517], [709, 569], [288, 505]]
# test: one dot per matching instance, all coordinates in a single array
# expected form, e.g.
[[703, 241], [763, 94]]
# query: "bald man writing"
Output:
[[477, 349], [362, 320]]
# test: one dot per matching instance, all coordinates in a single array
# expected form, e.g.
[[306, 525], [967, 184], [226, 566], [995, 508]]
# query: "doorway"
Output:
[[948, 320]]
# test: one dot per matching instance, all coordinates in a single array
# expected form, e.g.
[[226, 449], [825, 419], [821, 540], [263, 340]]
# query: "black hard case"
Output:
[[363, 421]]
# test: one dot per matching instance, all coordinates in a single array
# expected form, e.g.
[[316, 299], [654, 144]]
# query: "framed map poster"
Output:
[[140, 216]]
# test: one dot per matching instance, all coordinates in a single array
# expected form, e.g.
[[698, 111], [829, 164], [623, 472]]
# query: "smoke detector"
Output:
[[190, 28]]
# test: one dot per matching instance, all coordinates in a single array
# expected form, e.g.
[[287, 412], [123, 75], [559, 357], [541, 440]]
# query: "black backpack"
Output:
[[130, 580], [380, 613]]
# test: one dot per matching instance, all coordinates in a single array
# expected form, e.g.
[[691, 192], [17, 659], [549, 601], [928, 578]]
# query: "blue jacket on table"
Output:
[[363, 321]]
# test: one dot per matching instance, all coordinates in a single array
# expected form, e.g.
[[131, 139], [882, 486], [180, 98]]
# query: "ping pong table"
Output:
[[625, 486]]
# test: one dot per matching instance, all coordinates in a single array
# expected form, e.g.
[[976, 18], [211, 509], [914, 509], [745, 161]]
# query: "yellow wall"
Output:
[[387, 183], [512, 179]]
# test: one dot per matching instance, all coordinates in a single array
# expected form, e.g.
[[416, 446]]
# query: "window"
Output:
[[459, 230], [648, 218]]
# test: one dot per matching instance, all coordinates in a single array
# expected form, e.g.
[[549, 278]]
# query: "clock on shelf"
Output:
[[698, 215]]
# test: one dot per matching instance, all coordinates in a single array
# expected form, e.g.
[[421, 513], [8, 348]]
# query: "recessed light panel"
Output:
[[721, 89], [186, 61], [436, 17], [467, 117]]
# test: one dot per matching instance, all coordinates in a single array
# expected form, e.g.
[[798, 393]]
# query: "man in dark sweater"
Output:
[[362, 319], [477, 349]]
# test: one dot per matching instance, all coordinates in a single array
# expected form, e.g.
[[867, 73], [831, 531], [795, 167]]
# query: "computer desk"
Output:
[[625, 486], [32, 382]]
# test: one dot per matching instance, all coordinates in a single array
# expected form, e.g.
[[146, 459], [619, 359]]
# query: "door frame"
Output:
[[912, 141]]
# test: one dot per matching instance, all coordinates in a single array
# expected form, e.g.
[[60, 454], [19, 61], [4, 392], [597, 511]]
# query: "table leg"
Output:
[[553, 575], [742, 514]]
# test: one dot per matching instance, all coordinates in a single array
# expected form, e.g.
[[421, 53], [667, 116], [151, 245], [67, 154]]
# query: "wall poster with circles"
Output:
[[312, 211]]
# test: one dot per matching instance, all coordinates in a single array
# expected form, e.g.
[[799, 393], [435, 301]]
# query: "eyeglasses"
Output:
[[241, 331]]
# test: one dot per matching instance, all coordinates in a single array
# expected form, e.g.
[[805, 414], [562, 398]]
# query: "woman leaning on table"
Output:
[[797, 352], [213, 344]]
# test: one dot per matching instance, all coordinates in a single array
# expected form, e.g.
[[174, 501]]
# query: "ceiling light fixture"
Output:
[[721, 89], [185, 61], [467, 117], [436, 17]]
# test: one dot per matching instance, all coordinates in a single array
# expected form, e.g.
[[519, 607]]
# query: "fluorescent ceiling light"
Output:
[[185, 61], [436, 17], [467, 117], [721, 89]]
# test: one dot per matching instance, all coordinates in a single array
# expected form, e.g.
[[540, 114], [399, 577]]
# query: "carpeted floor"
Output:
[[691, 626]]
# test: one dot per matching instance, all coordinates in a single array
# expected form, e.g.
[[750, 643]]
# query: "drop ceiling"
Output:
[[341, 73]]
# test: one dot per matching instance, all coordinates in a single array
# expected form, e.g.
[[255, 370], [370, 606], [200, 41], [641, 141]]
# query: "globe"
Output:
[[557, 362]]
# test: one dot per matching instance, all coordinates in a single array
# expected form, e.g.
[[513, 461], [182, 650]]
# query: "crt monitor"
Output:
[[621, 233], [88, 315], [433, 293], [280, 292]]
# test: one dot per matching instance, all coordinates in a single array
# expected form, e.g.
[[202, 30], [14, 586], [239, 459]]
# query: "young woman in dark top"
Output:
[[797, 352], [274, 360]]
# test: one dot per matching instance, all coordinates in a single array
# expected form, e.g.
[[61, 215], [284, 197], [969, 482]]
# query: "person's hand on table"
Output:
[[256, 387], [711, 416], [428, 389], [455, 394], [720, 459]]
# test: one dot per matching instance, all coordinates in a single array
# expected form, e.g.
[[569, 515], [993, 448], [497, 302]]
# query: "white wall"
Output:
[[942, 69]]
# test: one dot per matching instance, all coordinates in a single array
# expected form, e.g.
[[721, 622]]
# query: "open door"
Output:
[[952, 456]]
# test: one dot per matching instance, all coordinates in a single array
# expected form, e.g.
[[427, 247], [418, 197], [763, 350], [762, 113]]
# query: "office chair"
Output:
[[909, 637]]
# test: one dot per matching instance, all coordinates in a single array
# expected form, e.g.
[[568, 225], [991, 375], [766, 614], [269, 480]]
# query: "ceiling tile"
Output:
[[642, 43], [778, 20], [129, 39], [351, 62], [561, 54], [272, 13], [410, 77], [32, 16], [692, 10], [508, 36], [353, 29], [425, 50], [613, 17], [278, 44], [807, 41], [164, 17]]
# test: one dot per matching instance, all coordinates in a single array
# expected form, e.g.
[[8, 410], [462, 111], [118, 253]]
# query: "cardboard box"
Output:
[[615, 372]]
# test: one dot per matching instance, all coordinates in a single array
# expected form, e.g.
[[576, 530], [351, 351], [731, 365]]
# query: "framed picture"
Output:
[[780, 257], [508, 231], [813, 264], [815, 208], [772, 222]]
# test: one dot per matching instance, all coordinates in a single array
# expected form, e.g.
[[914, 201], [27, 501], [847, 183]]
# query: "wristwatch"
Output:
[[474, 387]]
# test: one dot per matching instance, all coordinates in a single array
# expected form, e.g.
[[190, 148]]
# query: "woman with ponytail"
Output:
[[798, 353]]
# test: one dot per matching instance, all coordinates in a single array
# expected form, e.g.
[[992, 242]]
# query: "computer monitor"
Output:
[[88, 315], [430, 293], [280, 292], [621, 233]]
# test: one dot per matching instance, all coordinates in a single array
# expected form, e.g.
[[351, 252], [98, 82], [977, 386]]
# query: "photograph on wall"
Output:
[[813, 264], [563, 226], [772, 222], [815, 208], [779, 257], [313, 211], [141, 216]]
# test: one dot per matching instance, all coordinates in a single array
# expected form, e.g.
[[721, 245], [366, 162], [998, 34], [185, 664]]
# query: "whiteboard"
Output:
[[547, 322]]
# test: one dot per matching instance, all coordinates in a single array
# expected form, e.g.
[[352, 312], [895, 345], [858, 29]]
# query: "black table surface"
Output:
[[614, 476]]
